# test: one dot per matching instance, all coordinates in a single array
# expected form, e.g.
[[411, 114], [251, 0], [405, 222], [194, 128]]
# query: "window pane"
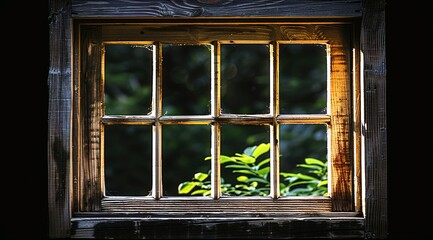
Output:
[[303, 78], [128, 79], [128, 160], [297, 143], [245, 79], [185, 148], [246, 172], [186, 79]]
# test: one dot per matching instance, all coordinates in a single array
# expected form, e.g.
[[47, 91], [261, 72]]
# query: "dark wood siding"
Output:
[[59, 119], [216, 8], [211, 228], [374, 125]]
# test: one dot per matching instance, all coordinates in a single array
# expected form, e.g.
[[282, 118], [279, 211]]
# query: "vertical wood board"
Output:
[[59, 118]]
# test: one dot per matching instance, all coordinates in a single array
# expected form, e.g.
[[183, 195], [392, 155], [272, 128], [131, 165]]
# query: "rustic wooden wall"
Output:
[[372, 44]]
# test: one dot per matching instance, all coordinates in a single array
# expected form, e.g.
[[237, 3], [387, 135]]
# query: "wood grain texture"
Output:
[[219, 8], [225, 32], [340, 129], [59, 113], [91, 111], [199, 227], [374, 120], [239, 205]]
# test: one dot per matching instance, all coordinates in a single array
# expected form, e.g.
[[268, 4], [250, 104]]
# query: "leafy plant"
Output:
[[312, 183], [251, 169]]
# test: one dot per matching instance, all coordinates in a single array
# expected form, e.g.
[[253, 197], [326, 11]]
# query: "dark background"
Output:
[[24, 72]]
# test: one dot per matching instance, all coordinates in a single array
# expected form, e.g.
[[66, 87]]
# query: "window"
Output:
[[127, 118], [244, 87]]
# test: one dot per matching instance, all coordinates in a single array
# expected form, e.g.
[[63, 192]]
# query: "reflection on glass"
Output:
[[128, 79], [303, 78], [185, 148], [128, 160], [186, 79], [298, 142], [245, 79], [247, 171]]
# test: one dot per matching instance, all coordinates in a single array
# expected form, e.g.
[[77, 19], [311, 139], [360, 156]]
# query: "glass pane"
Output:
[[128, 79], [303, 78], [245, 79], [128, 160], [305, 145], [186, 79], [245, 160], [185, 148]]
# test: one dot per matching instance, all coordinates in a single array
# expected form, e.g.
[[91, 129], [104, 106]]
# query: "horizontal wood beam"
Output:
[[241, 205], [215, 8], [218, 227]]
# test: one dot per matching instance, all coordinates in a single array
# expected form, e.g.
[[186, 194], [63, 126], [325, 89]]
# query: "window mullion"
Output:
[[274, 128], [156, 128], [215, 112]]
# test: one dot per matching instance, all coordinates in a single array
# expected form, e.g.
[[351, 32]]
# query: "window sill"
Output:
[[222, 205], [333, 225]]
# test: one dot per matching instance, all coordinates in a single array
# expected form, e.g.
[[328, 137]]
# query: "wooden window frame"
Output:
[[80, 209]]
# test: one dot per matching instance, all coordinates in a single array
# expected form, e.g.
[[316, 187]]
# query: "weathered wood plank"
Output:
[[339, 107], [215, 8], [91, 111], [59, 112], [357, 111], [215, 227], [374, 120], [224, 32], [224, 204]]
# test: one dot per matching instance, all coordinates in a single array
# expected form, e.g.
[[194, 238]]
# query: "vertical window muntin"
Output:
[[273, 119]]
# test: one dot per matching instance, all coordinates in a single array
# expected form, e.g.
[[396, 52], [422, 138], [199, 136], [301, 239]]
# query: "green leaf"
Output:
[[245, 171], [263, 162], [238, 166], [288, 174], [314, 161], [301, 182], [242, 186], [291, 179], [322, 183], [242, 178], [249, 150], [263, 171], [262, 148], [224, 159], [186, 187], [258, 180], [203, 192], [309, 166], [201, 176], [244, 158], [305, 177]]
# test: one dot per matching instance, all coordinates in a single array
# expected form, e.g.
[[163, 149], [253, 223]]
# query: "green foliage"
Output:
[[251, 169], [312, 183]]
